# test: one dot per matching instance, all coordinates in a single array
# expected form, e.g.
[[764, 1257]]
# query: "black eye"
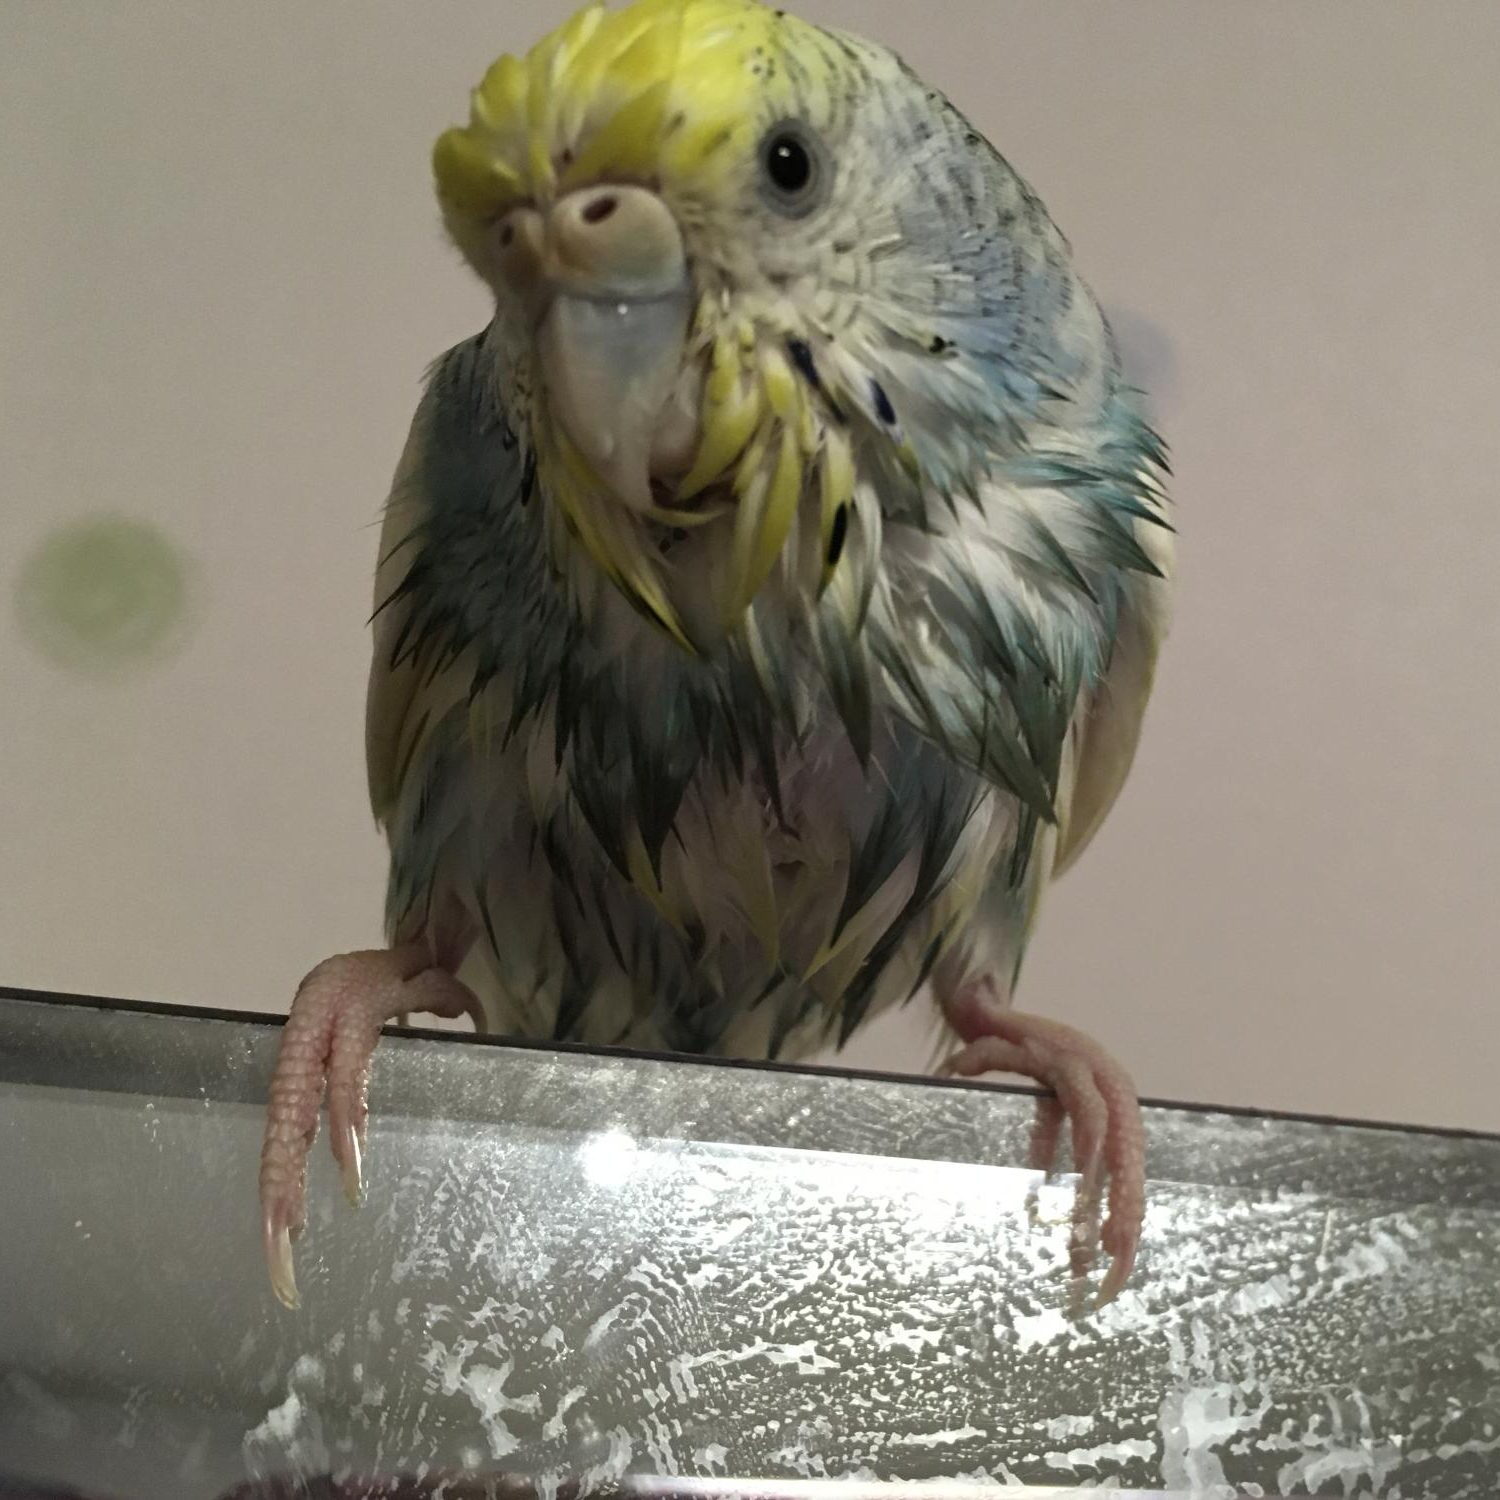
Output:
[[788, 164], [792, 168]]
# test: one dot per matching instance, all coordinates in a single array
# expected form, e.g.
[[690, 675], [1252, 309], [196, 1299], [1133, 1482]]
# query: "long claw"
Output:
[[278, 1243], [1118, 1274], [346, 1152]]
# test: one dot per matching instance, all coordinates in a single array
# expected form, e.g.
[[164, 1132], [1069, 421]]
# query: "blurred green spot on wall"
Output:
[[105, 595]]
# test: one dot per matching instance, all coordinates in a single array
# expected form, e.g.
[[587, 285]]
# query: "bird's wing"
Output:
[[393, 687], [453, 455], [1108, 727]]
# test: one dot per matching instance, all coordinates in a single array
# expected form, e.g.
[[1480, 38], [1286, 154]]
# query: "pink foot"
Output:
[[1096, 1096], [326, 1046]]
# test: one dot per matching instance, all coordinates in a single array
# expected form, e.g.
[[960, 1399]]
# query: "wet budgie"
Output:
[[768, 598]]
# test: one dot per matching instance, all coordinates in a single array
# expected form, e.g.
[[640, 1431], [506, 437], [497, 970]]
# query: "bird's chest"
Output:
[[749, 848], [674, 799]]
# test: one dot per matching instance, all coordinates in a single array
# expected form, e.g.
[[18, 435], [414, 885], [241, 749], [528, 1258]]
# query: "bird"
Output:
[[768, 597]]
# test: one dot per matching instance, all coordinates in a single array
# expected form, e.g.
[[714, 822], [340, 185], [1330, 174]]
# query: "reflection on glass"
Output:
[[608, 1158], [583, 1273]]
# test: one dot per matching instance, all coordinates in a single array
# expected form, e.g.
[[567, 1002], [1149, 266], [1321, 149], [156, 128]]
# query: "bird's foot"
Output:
[[1095, 1095], [326, 1047]]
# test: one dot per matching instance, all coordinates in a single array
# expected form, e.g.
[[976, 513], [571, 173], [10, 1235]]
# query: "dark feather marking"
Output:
[[802, 359], [838, 535], [482, 901], [925, 967], [778, 977]]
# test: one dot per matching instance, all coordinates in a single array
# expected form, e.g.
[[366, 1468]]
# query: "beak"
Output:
[[605, 272]]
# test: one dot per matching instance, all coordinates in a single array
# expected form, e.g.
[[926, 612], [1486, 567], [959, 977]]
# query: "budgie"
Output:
[[768, 597]]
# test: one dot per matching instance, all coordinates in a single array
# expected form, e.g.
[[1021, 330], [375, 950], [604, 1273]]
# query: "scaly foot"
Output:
[[326, 1047], [1097, 1098]]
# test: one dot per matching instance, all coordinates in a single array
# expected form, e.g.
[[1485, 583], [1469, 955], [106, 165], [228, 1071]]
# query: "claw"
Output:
[[1115, 1278], [346, 1152], [278, 1242], [1095, 1096]]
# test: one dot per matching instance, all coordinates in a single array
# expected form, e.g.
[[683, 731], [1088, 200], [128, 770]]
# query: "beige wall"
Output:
[[222, 278]]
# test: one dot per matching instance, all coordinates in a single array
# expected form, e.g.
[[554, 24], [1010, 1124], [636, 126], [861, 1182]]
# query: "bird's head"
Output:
[[728, 254]]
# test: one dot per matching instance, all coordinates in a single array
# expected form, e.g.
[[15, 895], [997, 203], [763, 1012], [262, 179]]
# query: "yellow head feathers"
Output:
[[677, 97], [660, 92]]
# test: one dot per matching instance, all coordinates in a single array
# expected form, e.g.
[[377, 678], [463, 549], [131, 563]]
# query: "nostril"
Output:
[[599, 209], [507, 236]]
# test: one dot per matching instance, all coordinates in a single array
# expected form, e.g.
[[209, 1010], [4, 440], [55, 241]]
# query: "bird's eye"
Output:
[[792, 169], [788, 164]]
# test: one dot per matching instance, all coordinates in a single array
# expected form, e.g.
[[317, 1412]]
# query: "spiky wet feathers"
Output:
[[737, 793]]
